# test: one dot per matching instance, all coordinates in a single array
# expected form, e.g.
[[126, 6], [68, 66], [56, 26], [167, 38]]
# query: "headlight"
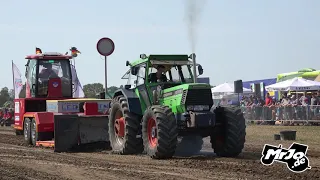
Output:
[[198, 108]]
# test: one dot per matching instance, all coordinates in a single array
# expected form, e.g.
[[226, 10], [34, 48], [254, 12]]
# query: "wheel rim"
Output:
[[26, 130], [119, 127], [152, 132]]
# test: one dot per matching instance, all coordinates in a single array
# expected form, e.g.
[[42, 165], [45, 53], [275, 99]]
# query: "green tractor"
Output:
[[162, 101]]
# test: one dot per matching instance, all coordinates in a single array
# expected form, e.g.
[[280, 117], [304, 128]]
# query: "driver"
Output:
[[158, 76], [47, 72]]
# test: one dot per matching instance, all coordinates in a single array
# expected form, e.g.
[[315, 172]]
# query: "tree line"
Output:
[[90, 91]]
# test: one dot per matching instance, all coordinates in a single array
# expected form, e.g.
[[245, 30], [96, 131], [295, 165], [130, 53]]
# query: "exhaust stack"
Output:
[[193, 57]]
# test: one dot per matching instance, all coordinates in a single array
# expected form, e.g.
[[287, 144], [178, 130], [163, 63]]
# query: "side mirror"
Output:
[[200, 70], [127, 63], [128, 86], [143, 56], [134, 70]]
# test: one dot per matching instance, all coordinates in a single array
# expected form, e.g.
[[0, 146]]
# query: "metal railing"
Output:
[[279, 113]]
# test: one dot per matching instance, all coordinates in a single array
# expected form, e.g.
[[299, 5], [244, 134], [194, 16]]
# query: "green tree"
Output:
[[112, 90], [11, 94], [91, 90], [4, 96]]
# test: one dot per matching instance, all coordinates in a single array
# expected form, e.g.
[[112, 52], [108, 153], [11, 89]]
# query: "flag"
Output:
[[38, 51], [74, 52], [77, 91], [17, 81]]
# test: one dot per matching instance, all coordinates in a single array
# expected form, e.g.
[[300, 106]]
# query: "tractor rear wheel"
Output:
[[124, 128], [27, 131], [229, 138], [159, 132], [34, 133]]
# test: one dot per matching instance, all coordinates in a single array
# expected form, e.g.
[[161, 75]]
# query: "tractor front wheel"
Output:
[[27, 131], [229, 138], [159, 132], [124, 128]]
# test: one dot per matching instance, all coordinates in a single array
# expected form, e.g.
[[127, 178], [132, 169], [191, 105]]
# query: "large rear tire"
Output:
[[159, 132], [27, 131], [228, 139], [127, 139], [34, 133]]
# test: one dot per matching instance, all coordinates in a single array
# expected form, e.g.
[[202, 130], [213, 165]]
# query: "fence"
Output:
[[282, 114]]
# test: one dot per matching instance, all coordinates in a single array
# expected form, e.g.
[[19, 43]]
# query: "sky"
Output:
[[247, 39]]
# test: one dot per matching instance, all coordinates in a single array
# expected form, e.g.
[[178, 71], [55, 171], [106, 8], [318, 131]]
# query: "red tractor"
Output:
[[49, 115]]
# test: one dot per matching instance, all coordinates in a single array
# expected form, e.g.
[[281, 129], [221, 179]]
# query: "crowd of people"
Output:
[[296, 106], [6, 116]]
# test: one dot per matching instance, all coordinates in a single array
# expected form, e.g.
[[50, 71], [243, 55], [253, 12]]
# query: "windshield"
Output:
[[175, 73], [57, 68], [54, 69]]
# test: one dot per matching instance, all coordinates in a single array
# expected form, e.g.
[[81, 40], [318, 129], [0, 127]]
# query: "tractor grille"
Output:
[[197, 97]]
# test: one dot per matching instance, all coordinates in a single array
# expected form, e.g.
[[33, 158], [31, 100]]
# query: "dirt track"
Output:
[[18, 161]]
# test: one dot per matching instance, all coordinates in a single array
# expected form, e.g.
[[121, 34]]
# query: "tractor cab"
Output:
[[158, 77], [48, 76], [167, 70]]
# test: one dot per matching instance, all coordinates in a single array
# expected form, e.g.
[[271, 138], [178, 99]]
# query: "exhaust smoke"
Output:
[[193, 11]]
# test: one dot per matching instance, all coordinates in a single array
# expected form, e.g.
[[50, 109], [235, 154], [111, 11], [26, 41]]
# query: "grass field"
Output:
[[258, 135]]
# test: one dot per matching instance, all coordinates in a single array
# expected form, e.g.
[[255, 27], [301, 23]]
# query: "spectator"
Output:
[[285, 103], [258, 108], [294, 103], [268, 100], [243, 101], [274, 109], [314, 108], [304, 106]]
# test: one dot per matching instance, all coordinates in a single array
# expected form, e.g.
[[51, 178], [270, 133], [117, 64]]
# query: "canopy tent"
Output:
[[225, 92], [227, 88], [295, 84]]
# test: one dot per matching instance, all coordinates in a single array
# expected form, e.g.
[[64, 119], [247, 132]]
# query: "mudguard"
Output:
[[133, 100]]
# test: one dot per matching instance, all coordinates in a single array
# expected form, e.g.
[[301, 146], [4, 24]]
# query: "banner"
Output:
[[77, 91], [17, 81]]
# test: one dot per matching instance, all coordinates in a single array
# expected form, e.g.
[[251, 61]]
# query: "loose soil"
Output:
[[18, 161]]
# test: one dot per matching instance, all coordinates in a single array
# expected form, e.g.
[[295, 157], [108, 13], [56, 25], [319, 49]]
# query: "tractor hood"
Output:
[[179, 89], [186, 96]]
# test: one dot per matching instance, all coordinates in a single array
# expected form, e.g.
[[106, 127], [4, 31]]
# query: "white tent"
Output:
[[314, 82], [227, 88], [295, 84]]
